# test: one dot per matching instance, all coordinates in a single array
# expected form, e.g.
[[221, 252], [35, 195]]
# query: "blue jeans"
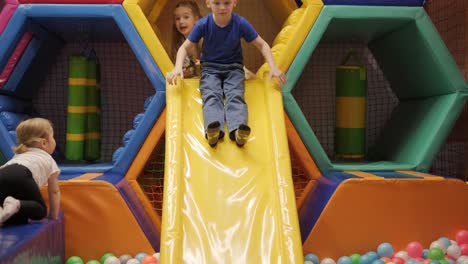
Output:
[[219, 81]]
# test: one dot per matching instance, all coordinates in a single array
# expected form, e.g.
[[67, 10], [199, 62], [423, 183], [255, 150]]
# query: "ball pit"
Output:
[[440, 251]]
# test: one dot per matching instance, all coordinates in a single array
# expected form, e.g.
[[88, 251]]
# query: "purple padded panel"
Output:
[[38, 242]]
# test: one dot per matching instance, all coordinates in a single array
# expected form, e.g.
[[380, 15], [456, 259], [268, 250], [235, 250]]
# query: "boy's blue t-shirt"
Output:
[[222, 45]]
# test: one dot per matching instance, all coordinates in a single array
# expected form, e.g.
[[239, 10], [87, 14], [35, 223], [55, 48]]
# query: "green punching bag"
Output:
[[351, 92], [77, 110], [93, 119]]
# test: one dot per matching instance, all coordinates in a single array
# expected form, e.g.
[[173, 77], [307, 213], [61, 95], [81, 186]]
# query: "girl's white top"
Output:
[[39, 162]]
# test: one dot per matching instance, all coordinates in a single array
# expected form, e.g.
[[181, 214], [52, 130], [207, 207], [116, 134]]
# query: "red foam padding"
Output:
[[14, 58]]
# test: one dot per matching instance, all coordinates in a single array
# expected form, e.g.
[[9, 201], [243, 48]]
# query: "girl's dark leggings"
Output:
[[17, 181]]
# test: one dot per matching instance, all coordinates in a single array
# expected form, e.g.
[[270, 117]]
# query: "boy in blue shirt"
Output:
[[222, 73]]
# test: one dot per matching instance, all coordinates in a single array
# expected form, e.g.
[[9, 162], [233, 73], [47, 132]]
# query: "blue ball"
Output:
[[434, 262], [385, 250], [345, 260], [373, 255], [140, 256], [365, 259], [445, 241], [311, 257], [451, 261], [378, 261], [425, 253]]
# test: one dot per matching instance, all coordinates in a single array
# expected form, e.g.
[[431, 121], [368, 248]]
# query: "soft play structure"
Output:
[[153, 184]]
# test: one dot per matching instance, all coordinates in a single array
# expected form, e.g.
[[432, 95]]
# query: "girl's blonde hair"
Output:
[[30, 132], [177, 37]]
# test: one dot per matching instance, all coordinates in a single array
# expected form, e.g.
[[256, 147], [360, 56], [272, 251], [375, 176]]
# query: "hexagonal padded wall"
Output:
[[419, 69], [41, 76]]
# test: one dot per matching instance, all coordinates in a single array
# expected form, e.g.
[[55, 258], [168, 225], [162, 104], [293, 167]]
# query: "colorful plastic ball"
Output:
[[124, 258], [157, 255], [425, 253], [149, 260], [355, 258], [386, 259], [365, 259], [414, 249], [434, 262], [445, 241], [104, 257], [308, 262], [462, 260], [378, 261], [328, 261], [74, 260], [385, 250], [345, 260], [450, 261], [454, 251], [438, 244], [398, 260], [311, 257], [402, 254], [140, 256], [112, 260], [435, 254], [373, 255], [93, 261], [464, 250], [461, 237], [443, 261], [133, 261]]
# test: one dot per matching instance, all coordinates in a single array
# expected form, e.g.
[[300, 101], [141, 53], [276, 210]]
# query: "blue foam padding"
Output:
[[110, 177], [134, 144], [376, 2], [38, 242], [10, 37], [34, 63], [12, 119], [80, 168], [316, 200], [6, 142], [11, 104], [140, 214]]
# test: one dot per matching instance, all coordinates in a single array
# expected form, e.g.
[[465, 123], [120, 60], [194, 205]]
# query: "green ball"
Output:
[[443, 261], [105, 256], [93, 262], [435, 254], [74, 260], [355, 258]]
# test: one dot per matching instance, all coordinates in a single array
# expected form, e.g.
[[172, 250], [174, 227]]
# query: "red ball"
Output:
[[149, 260], [464, 249], [462, 237], [398, 260]]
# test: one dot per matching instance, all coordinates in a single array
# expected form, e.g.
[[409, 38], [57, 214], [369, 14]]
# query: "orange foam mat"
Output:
[[97, 221], [362, 213]]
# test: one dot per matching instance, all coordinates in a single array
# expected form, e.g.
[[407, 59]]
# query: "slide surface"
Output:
[[228, 204]]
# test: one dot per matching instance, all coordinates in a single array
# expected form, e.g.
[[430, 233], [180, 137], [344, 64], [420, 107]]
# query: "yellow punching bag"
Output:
[[351, 92]]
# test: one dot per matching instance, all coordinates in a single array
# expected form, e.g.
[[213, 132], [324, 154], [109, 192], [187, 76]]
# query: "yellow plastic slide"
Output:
[[228, 204]]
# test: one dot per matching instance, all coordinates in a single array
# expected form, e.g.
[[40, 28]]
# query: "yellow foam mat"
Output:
[[228, 204]]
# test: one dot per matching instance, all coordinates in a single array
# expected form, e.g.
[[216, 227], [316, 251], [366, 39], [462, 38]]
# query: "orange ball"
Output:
[[149, 260]]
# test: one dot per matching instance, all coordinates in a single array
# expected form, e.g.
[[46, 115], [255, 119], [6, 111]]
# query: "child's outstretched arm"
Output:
[[266, 52], [181, 54], [54, 196]]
